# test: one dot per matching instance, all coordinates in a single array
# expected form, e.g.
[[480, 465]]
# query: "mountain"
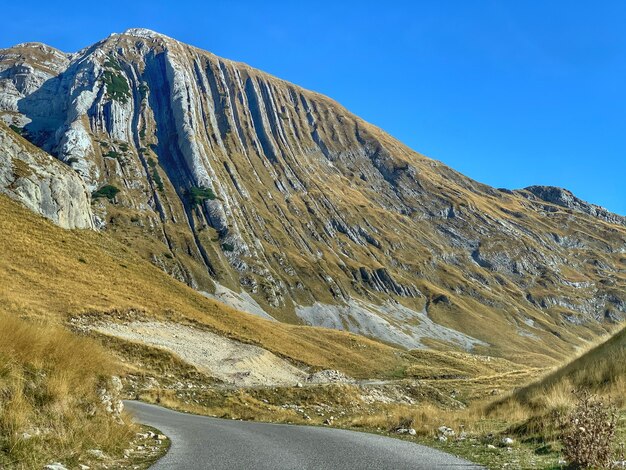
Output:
[[281, 202], [83, 273]]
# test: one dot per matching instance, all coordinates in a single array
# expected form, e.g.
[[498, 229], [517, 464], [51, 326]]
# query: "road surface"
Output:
[[200, 442]]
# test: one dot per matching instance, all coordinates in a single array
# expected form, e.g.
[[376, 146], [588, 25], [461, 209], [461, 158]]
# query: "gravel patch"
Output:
[[226, 359]]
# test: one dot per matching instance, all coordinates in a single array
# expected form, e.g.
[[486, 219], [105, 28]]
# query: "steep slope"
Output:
[[231, 178], [75, 277], [89, 282], [51, 408]]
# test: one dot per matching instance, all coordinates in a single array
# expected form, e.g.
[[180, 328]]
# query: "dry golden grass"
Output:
[[49, 407], [425, 419], [537, 408], [533, 412], [238, 404], [52, 274], [456, 365]]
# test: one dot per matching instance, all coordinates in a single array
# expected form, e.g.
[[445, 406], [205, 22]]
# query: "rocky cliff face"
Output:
[[42, 183], [228, 175]]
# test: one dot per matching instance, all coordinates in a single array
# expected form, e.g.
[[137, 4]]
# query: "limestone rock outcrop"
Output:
[[42, 183]]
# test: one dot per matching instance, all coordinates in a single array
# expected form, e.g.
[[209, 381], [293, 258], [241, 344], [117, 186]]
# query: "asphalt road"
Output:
[[200, 442]]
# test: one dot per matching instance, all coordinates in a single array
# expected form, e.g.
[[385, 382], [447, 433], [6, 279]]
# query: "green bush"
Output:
[[113, 154], [112, 62], [197, 195], [117, 86], [157, 179], [228, 247], [17, 130], [109, 191]]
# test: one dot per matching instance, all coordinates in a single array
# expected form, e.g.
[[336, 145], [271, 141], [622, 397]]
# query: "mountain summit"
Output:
[[281, 202]]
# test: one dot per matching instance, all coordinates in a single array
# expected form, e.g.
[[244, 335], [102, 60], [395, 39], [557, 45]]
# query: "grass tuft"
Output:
[[49, 404]]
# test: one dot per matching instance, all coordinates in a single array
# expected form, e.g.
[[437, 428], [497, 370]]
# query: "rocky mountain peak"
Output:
[[42, 183], [564, 198], [556, 195], [36, 48], [144, 33]]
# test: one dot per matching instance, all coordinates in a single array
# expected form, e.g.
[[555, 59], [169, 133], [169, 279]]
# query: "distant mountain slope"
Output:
[[57, 275], [54, 274], [229, 175]]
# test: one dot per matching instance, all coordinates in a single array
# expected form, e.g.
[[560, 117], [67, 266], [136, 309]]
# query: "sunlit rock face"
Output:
[[42, 183]]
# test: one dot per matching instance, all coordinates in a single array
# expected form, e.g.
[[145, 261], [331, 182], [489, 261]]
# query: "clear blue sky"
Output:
[[511, 93]]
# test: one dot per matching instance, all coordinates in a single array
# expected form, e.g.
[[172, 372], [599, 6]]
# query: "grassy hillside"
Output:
[[48, 272], [600, 370], [312, 204], [531, 414], [49, 406], [53, 274], [49, 275]]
